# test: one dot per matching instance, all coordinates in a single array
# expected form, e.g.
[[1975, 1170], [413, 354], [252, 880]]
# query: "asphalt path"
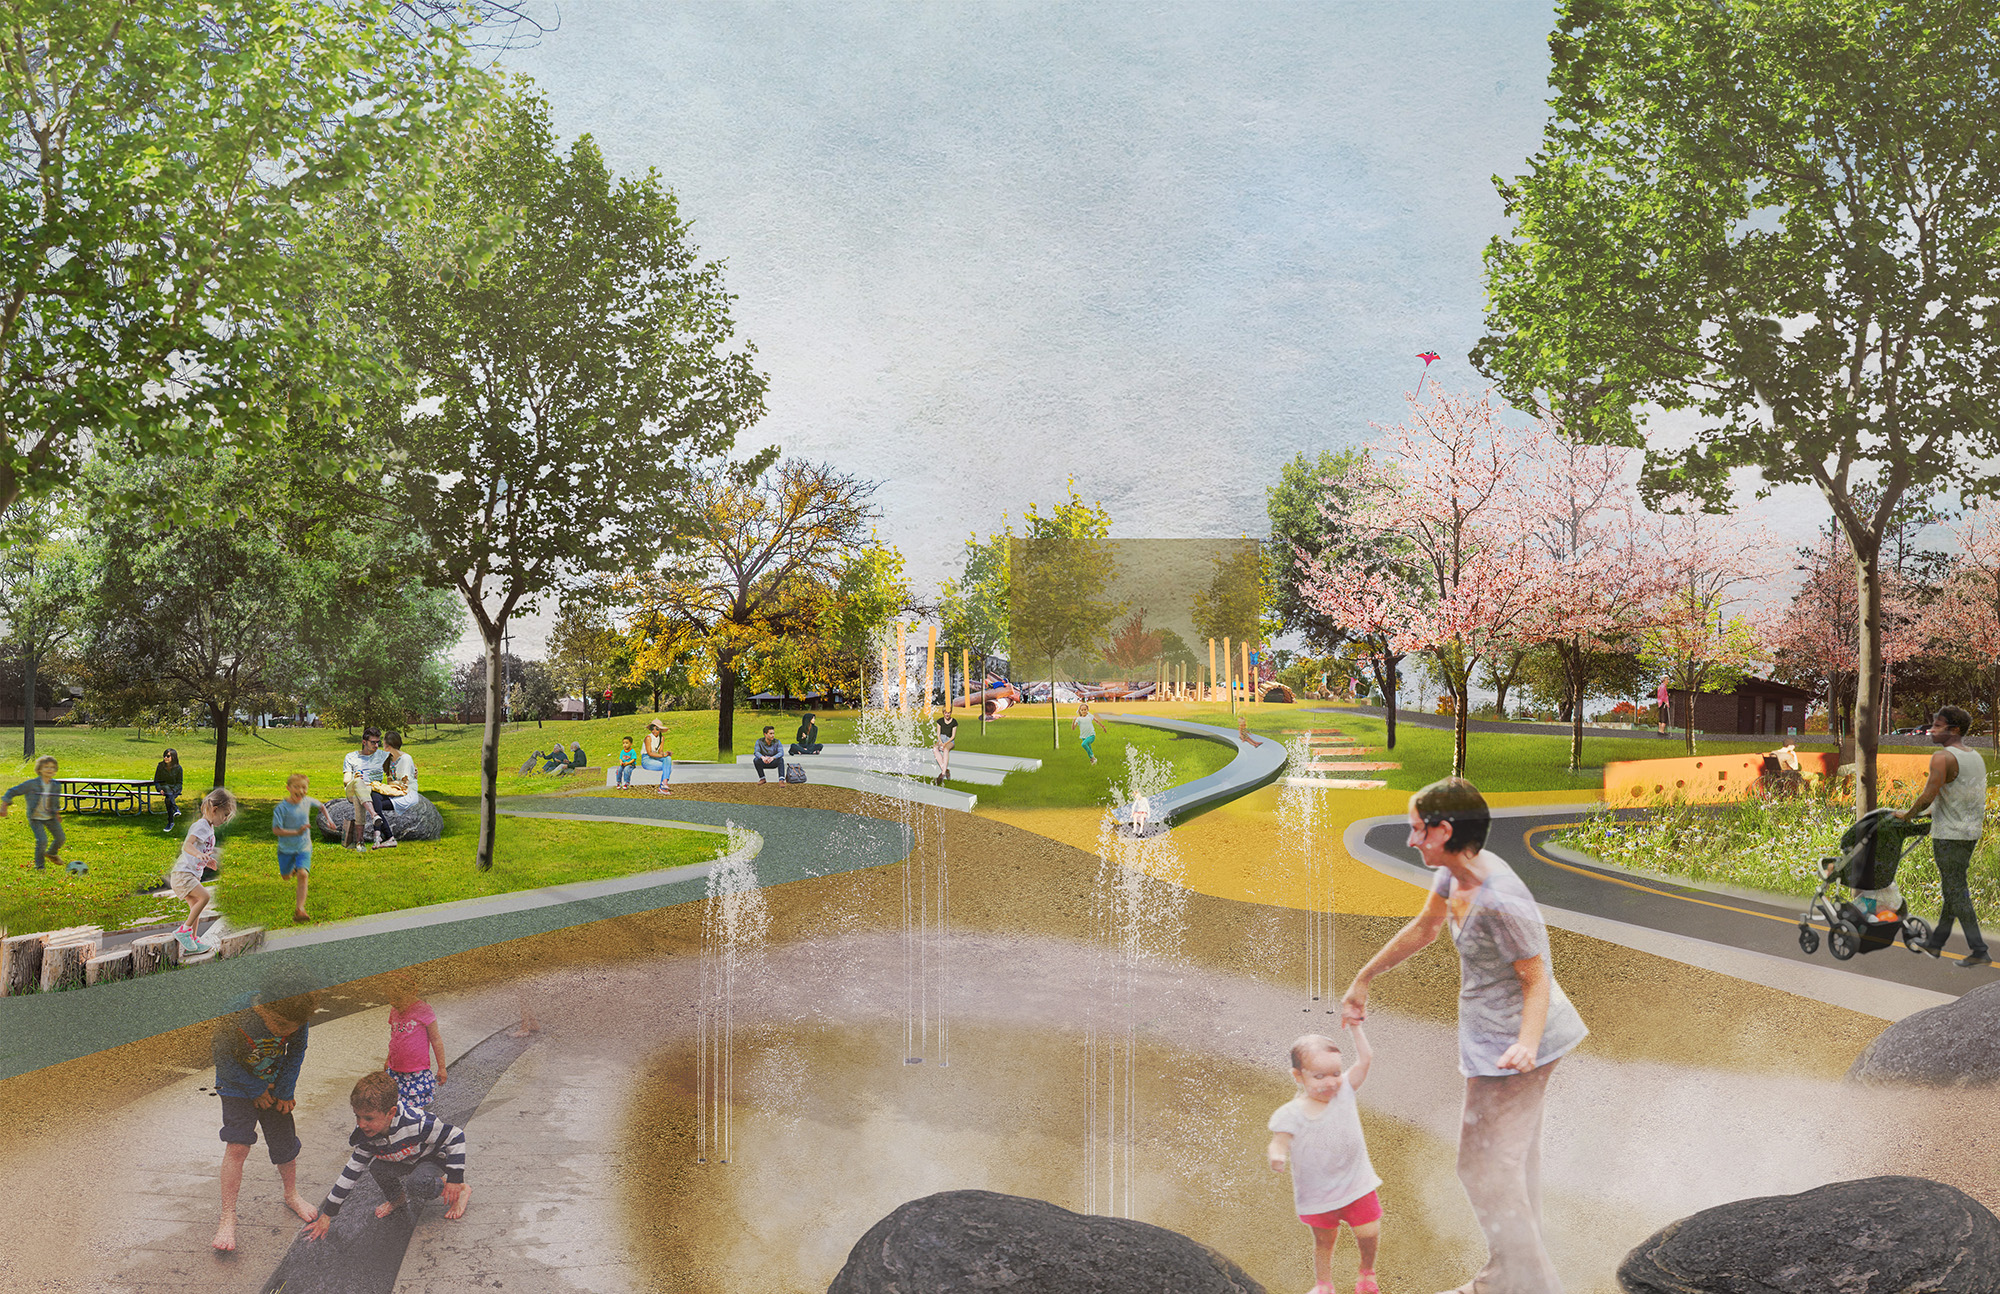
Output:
[[1731, 920]]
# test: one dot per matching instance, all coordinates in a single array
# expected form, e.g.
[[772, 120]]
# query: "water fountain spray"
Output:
[[734, 920], [1301, 811]]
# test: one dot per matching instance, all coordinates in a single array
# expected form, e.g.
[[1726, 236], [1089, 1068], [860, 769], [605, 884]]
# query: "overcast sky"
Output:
[[985, 248]]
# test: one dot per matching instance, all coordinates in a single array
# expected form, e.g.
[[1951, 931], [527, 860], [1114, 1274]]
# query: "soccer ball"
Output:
[[78, 867]]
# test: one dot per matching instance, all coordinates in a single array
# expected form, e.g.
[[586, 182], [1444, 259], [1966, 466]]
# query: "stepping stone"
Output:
[[1349, 766], [1313, 732], [1335, 752], [1336, 783]]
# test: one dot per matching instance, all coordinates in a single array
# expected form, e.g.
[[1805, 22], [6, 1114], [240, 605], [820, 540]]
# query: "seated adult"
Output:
[[396, 791], [357, 770], [768, 755], [807, 740], [577, 759], [557, 758]]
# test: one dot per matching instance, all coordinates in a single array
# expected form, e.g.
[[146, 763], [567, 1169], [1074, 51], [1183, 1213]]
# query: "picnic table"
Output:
[[120, 795]]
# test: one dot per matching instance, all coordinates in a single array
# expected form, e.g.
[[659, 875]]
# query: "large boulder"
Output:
[[1953, 1045], [421, 821], [979, 1240], [1878, 1235]]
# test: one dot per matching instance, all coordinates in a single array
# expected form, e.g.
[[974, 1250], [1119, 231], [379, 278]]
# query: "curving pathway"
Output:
[[1253, 766], [1748, 935]]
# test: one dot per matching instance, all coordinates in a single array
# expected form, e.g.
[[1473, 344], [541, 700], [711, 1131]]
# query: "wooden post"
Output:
[[107, 967], [930, 667], [965, 672], [1212, 676], [154, 953], [1228, 674], [238, 942], [902, 669], [64, 954], [20, 964]]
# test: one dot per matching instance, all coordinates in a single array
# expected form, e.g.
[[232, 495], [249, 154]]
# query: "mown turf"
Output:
[[125, 854]]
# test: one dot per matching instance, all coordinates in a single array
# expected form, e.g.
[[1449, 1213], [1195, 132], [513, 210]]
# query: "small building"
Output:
[[572, 707], [1756, 707]]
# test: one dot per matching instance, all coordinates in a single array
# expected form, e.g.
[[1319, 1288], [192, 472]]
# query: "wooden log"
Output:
[[152, 953], [62, 964], [238, 942], [107, 967], [20, 964]]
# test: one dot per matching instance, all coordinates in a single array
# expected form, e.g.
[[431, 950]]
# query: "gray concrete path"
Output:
[[46, 1028], [1253, 766]]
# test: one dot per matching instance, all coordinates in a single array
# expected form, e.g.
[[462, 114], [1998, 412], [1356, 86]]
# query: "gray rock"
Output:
[[1878, 1235], [979, 1240], [1953, 1045], [421, 821]]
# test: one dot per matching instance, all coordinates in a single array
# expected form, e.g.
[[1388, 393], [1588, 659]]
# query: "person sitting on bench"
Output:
[[807, 741], [557, 758], [768, 755]]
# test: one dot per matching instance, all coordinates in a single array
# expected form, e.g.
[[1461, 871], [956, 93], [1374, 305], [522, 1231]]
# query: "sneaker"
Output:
[[386, 842], [1971, 960], [189, 941]]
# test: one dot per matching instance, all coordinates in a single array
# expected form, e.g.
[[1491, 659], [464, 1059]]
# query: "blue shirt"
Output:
[[291, 817], [249, 1058]]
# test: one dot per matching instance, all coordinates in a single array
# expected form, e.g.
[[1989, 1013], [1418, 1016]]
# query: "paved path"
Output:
[[46, 1028], [1749, 936], [1254, 765]]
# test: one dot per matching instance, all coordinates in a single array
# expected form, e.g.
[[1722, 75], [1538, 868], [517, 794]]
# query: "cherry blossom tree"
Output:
[[1817, 635], [1447, 496]]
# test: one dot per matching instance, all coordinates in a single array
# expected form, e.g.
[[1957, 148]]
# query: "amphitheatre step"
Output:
[[909, 761], [1336, 783], [689, 772]]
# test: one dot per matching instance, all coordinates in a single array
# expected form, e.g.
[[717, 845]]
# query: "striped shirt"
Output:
[[411, 1139]]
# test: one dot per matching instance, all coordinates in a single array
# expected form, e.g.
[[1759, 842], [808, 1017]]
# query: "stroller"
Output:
[[1871, 849]]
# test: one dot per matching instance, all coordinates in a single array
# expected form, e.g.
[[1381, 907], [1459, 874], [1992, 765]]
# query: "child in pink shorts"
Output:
[[1318, 1132], [413, 1040]]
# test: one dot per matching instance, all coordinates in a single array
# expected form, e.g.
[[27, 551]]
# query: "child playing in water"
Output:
[[390, 1141], [1318, 1132], [258, 1052], [413, 1040], [199, 860]]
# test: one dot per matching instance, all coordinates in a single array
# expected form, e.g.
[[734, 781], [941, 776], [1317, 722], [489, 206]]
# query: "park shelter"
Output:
[[1756, 706]]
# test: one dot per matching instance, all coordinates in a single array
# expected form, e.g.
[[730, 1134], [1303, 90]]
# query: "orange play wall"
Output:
[[1729, 777]]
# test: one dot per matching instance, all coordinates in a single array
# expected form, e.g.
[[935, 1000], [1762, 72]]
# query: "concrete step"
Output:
[[1335, 783], [1349, 766]]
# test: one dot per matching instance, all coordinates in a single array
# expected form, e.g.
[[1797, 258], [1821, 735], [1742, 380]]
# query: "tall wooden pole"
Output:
[[902, 669], [965, 672], [930, 667], [1212, 677], [1228, 674]]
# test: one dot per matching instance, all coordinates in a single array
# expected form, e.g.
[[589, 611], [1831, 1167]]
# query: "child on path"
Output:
[[44, 810], [1319, 1133], [258, 1052], [291, 823], [1086, 728], [389, 1141], [413, 1040], [199, 860], [628, 759]]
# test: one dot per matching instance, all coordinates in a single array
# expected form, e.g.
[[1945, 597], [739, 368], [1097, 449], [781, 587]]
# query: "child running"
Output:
[[258, 1052], [199, 859], [44, 811], [413, 1040], [291, 823], [1086, 729], [1319, 1133], [389, 1141]]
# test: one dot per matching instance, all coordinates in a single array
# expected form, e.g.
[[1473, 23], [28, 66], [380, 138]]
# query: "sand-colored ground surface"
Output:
[[1086, 1037]]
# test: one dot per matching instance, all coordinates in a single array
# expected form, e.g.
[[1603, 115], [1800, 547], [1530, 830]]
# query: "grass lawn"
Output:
[[127, 853]]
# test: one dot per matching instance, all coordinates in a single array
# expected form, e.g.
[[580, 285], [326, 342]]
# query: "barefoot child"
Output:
[[1319, 1132], [44, 810], [291, 823], [199, 860], [258, 1052], [390, 1140], [413, 1040]]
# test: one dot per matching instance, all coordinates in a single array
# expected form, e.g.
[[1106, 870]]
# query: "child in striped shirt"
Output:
[[389, 1141]]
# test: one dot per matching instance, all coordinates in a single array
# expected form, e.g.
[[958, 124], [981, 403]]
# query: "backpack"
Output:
[[795, 773]]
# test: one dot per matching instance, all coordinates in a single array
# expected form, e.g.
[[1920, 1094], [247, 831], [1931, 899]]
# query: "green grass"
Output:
[[1068, 780], [126, 853], [1772, 845]]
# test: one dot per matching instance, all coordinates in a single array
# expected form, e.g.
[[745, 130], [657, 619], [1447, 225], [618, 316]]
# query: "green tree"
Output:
[[586, 651], [1308, 510], [974, 607], [379, 660], [872, 591], [46, 575], [1059, 573], [1782, 217], [1231, 604], [566, 364], [163, 157]]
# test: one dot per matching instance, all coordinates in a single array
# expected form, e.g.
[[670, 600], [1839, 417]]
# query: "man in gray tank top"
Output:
[[1958, 786]]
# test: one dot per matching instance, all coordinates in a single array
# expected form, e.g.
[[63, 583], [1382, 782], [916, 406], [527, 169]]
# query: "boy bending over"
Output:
[[389, 1141]]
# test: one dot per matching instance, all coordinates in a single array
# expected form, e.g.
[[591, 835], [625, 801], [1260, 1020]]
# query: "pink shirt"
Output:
[[410, 1039]]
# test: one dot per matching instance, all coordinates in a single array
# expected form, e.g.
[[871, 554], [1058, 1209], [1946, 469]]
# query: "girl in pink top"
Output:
[[413, 1040]]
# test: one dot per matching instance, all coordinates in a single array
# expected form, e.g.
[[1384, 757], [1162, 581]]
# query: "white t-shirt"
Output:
[[408, 768], [1330, 1168], [198, 850], [357, 767]]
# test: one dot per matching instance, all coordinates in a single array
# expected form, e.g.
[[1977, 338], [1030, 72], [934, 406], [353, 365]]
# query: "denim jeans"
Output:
[[48, 838], [624, 775], [1954, 858]]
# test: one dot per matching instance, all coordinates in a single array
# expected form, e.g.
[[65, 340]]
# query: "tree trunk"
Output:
[[1687, 718], [489, 745], [725, 718], [1460, 688], [1384, 669], [28, 720], [220, 719], [1055, 725], [1868, 685], [1569, 654]]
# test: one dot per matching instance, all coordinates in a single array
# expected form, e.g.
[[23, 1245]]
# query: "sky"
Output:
[[983, 250]]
